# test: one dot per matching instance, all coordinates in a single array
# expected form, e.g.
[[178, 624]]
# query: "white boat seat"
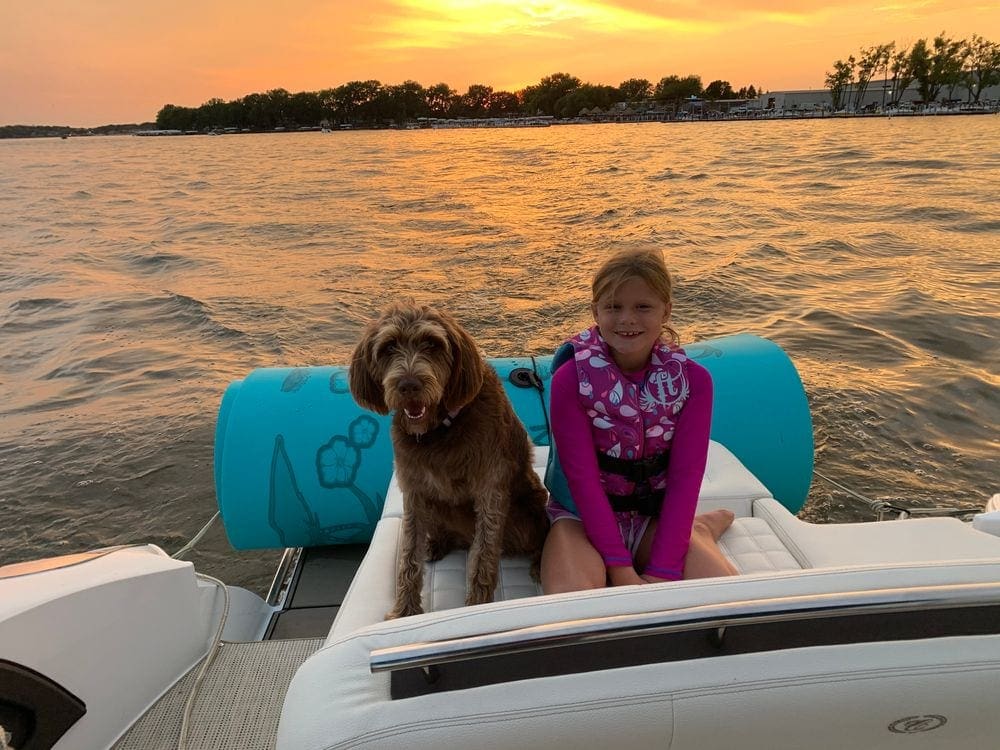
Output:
[[772, 540], [373, 589], [749, 544], [393, 507], [727, 483], [752, 546], [335, 701], [821, 545]]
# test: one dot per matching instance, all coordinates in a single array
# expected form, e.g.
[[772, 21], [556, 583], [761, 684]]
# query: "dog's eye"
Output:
[[387, 349]]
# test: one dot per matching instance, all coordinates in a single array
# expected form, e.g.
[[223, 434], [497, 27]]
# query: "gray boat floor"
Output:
[[318, 587], [237, 705], [239, 701]]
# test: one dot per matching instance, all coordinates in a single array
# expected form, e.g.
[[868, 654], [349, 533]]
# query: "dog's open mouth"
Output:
[[414, 410]]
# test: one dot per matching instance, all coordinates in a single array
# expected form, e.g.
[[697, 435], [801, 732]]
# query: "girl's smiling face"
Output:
[[630, 320]]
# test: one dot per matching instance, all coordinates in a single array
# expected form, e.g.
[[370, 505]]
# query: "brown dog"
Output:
[[463, 459]]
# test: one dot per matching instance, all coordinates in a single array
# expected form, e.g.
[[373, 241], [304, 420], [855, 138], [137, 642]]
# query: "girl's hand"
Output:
[[623, 575], [647, 578]]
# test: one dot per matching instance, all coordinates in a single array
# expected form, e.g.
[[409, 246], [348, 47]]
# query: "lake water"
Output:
[[140, 276]]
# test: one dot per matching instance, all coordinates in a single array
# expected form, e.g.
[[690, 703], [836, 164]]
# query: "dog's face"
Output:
[[418, 362]]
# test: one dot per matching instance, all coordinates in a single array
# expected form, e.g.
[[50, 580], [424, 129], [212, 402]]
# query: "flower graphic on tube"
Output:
[[363, 431], [339, 381], [338, 462]]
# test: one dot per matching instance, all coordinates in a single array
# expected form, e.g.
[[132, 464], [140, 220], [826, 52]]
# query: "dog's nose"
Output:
[[409, 387]]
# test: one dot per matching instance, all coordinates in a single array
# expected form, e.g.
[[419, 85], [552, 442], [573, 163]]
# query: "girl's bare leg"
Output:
[[569, 560], [704, 558]]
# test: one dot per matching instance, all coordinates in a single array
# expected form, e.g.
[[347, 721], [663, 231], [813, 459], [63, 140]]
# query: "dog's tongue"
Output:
[[414, 409]]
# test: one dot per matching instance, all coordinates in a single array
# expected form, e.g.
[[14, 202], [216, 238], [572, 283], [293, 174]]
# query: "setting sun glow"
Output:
[[61, 63], [443, 23]]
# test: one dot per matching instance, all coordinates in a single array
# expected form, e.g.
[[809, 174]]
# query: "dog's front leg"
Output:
[[410, 567], [484, 554]]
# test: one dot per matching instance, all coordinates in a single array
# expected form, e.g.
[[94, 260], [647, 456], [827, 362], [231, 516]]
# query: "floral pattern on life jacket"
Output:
[[630, 420]]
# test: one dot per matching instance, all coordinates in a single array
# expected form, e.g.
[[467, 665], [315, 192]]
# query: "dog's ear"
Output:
[[468, 369], [364, 385]]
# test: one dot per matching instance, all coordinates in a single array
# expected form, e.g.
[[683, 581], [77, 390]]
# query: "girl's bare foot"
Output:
[[715, 522]]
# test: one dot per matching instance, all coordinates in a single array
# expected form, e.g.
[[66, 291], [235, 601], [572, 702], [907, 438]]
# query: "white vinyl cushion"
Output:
[[753, 547], [824, 545], [373, 588], [781, 699], [727, 483], [771, 700], [750, 544]]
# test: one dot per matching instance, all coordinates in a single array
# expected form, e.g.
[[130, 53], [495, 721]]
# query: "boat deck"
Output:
[[238, 702], [236, 706], [317, 589]]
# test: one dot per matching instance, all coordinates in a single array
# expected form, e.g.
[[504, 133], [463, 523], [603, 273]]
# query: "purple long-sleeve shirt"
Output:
[[688, 453]]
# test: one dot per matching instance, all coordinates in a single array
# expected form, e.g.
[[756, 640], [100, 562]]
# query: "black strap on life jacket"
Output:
[[643, 498], [635, 470], [644, 505]]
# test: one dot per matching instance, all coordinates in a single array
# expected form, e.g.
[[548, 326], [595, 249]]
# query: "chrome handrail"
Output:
[[698, 617]]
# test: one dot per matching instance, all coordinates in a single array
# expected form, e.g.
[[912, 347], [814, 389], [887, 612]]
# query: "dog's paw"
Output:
[[536, 569], [396, 612], [479, 595]]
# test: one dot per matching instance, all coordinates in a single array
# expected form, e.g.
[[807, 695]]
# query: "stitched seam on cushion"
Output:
[[802, 558], [766, 553], [751, 538], [730, 556], [502, 716], [757, 550]]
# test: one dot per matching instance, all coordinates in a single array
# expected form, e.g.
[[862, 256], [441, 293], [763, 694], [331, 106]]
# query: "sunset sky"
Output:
[[70, 62]]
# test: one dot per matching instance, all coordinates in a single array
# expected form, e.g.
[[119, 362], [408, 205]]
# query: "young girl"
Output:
[[630, 420]]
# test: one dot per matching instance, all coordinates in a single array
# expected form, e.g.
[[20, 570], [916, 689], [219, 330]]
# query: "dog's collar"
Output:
[[441, 428]]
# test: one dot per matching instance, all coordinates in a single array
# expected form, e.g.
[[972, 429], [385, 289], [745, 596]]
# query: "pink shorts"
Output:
[[631, 525]]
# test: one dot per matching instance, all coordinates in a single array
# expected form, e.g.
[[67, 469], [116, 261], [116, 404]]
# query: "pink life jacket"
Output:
[[631, 422]]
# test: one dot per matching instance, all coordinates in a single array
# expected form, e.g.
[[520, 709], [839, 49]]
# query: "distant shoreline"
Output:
[[30, 132]]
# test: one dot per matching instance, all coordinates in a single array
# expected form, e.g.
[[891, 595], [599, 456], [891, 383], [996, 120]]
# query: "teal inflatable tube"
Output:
[[298, 463]]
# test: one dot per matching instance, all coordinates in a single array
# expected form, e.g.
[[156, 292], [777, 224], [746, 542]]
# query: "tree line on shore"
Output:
[[56, 131], [372, 103], [939, 69]]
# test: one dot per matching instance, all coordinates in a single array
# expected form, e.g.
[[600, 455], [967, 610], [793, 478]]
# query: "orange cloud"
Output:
[[443, 24], [62, 61]]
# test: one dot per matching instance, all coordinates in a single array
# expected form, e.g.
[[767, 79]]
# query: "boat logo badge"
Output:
[[914, 724]]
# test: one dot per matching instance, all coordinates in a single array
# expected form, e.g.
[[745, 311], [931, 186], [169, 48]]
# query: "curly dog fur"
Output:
[[463, 458]]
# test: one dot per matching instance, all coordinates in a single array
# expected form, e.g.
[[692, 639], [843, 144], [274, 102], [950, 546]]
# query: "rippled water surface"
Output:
[[139, 276]]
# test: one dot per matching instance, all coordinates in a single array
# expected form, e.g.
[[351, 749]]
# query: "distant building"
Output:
[[878, 95]]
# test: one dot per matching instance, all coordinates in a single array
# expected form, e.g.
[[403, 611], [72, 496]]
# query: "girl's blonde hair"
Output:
[[644, 263]]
